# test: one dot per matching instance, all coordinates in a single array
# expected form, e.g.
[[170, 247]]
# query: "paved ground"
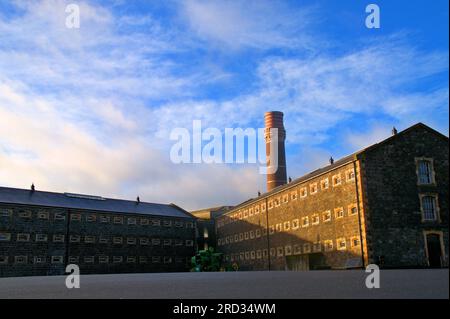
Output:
[[254, 285]]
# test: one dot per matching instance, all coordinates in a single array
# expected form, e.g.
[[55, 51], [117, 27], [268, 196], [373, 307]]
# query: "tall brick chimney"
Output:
[[274, 119]]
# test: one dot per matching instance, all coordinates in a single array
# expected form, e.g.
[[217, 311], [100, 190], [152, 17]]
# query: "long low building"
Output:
[[42, 232], [386, 204]]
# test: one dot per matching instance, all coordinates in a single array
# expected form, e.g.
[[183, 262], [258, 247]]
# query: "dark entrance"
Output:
[[434, 250]]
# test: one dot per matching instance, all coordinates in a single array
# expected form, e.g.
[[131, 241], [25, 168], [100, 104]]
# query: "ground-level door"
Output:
[[297, 263], [433, 242]]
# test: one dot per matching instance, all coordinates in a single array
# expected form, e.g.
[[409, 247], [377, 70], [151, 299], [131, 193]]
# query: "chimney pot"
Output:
[[394, 131], [32, 187]]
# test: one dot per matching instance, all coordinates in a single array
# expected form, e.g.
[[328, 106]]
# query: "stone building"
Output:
[[42, 232], [386, 204], [206, 227]]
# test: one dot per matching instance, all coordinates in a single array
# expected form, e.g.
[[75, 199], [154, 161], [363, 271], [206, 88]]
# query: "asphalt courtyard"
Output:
[[235, 285]]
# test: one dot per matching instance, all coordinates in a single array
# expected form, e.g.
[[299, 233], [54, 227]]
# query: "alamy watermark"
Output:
[[373, 19], [373, 280], [233, 146], [73, 16], [73, 279]]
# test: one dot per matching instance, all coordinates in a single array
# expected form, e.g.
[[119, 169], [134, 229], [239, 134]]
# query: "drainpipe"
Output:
[[359, 215], [267, 234]]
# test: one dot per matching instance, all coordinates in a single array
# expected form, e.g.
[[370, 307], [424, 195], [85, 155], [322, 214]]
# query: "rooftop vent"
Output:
[[81, 196]]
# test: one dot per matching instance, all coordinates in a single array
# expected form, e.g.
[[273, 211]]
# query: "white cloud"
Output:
[[249, 24], [90, 111]]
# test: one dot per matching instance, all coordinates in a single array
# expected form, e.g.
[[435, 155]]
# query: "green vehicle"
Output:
[[208, 260]]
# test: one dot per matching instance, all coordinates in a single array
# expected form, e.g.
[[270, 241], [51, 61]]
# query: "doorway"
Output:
[[433, 242]]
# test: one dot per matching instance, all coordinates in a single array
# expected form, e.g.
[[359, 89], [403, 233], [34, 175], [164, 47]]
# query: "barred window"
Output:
[[57, 259], [43, 214], [23, 237], [118, 240], [156, 259], [89, 259], [118, 220], [59, 216], [117, 259], [75, 217], [425, 171], [103, 259], [20, 259], [104, 219], [89, 239], [25, 214], [429, 207], [58, 238], [6, 212], [131, 241], [41, 237]]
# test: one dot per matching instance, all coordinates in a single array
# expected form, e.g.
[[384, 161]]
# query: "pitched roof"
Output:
[[342, 161], [87, 202]]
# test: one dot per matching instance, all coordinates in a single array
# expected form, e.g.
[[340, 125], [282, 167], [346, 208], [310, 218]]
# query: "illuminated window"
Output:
[[337, 180], [315, 219], [352, 209], [350, 175], [305, 221], [328, 245], [341, 244], [339, 212], [303, 192], [324, 184], [287, 226], [313, 188], [306, 248], [327, 216]]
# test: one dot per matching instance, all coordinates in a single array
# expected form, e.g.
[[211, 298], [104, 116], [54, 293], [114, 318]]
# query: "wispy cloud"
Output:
[[90, 110], [250, 24]]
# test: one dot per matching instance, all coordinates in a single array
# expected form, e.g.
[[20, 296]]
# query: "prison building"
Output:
[[42, 232], [386, 204], [206, 235]]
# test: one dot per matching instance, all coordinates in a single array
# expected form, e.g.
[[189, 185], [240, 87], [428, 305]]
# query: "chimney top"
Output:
[[394, 131], [32, 187], [138, 200], [331, 160]]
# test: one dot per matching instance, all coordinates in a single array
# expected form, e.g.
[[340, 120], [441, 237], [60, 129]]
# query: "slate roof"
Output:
[[87, 202]]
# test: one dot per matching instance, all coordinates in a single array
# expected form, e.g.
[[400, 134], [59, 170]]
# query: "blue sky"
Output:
[[90, 110]]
